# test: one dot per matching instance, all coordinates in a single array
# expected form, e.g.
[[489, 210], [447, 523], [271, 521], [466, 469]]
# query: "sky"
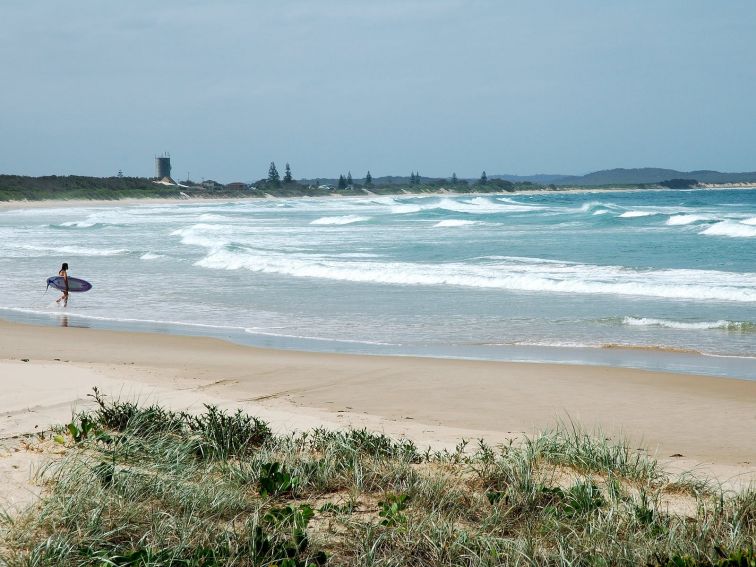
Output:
[[390, 86]]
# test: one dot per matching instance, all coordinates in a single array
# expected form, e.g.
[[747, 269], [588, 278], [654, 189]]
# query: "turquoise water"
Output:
[[515, 276]]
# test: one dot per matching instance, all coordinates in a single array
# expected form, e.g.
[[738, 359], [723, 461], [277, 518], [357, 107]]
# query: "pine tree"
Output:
[[273, 177], [368, 179], [342, 182], [483, 178], [349, 179], [417, 178], [412, 178], [454, 179], [287, 175]]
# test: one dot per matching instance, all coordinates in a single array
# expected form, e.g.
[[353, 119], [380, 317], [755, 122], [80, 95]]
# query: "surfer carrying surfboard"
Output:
[[65, 283], [64, 274]]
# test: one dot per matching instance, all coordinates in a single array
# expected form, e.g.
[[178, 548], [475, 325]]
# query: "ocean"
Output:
[[650, 279]]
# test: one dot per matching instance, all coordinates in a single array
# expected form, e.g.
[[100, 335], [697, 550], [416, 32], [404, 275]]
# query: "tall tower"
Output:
[[163, 166]]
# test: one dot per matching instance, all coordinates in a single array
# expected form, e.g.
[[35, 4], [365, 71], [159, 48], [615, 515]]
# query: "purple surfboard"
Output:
[[74, 284]]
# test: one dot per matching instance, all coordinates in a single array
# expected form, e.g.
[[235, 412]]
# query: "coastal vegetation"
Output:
[[145, 486], [19, 188]]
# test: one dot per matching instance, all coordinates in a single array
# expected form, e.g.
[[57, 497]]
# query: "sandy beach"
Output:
[[709, 422]]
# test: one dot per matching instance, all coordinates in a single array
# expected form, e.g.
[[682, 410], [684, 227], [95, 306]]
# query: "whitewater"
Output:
[[554, 276]]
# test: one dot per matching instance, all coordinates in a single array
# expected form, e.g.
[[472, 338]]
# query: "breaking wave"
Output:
[[81, 251], [405, 209], [678, 220], [482, 205], [454, 222], [205, 217], [71, 250], [636, 214], [732, 229], [204, 235], [474, 206], [348, 219], [690, 326], [79, 224], [511, 274]]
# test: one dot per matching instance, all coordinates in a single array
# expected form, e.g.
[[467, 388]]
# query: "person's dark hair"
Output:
[[64, 266]]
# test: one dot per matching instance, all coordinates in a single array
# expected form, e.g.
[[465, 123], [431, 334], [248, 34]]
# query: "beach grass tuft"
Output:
[[145, 486]]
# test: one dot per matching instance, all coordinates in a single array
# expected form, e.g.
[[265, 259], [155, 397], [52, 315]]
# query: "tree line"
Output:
[[17, 187], [343, 182]]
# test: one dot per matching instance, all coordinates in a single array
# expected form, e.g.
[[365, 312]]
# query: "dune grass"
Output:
[[144, 486]]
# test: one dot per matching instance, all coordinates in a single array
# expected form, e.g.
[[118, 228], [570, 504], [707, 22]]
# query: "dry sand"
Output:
[[710, 421]]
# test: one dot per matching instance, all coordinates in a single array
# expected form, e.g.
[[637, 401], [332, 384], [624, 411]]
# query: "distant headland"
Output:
[[25, 188]]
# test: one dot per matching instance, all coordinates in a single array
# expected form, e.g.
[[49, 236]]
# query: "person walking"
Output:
[[64, 274]]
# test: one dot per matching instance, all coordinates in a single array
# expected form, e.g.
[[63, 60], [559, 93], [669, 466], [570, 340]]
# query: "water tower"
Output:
[[163, 166]]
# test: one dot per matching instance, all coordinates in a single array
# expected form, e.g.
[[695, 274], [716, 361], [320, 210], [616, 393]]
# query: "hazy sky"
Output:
[[440, 86]]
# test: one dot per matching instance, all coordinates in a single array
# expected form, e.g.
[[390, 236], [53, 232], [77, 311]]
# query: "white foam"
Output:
[[731, 229], [79, 224], [585, 207], [213, 217], [636, 214], [680, 220], [44, 211], [454, 222], [74, 250], [482, 206], [517, 206], [749, 222], [150, 256], [121, 319], [405, 209], [687, 326], [600, 212], [215, 236], [508, 274], [81, 251], [529, 260], [256, 331], [205, 235], [384, 201], [549, 343], [348, 219], [118, 216]]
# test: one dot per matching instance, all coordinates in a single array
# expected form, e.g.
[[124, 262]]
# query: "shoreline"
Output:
[[435, 402], [70, 203], [655, 358]]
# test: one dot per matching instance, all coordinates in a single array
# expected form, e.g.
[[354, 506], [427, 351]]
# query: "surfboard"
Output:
[[74, 284]]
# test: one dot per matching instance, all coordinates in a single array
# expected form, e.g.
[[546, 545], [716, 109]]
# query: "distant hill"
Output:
[[635, 176]]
